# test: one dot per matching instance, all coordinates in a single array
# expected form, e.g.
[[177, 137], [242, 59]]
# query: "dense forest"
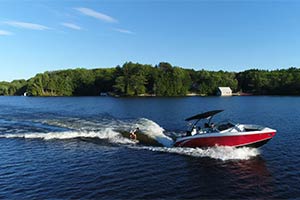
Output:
[[134, 79]]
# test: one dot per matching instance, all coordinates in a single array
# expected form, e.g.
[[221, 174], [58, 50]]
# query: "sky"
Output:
[[43, 35]]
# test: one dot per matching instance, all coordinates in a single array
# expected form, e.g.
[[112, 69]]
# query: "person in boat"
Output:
[[194, 130], [191, 132], [208, 127], [188, 133], [133, 133]]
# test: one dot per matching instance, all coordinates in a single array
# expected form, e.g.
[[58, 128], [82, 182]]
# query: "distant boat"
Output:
[[225, 133]]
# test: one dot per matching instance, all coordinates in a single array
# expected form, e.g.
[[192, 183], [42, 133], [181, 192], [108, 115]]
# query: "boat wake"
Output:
[[107, 134], [222, 153], [154, 131], [152, 137], [109, 129]]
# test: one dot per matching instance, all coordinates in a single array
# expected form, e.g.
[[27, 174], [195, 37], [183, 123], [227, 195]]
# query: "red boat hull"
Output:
[[254, 139]]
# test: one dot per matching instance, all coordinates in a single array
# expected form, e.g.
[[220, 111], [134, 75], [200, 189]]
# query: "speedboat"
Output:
[[224, 133]]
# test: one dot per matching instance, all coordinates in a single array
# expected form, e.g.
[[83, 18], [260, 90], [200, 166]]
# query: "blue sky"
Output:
[[44, 35]]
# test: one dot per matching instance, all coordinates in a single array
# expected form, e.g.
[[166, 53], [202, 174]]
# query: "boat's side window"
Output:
[[225, 126]]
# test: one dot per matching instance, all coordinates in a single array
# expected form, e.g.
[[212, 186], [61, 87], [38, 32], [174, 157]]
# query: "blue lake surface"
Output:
[[70, 147]]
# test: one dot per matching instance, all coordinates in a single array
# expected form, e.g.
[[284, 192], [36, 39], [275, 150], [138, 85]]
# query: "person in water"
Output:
[[133, 133]]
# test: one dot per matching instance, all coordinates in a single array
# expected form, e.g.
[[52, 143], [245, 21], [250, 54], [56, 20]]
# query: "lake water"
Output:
[[70, 147]]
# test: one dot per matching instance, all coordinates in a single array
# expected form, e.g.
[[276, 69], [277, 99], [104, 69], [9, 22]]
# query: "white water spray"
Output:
[[154, 131], [107, 130], [106, 133], [222, 153]]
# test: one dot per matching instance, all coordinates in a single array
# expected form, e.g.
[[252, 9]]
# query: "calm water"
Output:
[[71, 148]]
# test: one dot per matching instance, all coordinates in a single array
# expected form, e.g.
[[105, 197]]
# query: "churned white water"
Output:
[[221, 152], [108, 130], [153, 130], [107, 133]]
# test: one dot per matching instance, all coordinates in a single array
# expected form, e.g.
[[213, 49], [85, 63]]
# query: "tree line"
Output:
[[133, 79]]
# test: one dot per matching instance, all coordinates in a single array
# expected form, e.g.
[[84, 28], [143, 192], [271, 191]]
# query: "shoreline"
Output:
[[152, 96]]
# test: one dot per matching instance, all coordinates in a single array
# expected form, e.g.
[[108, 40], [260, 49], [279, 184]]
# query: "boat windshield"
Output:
[[224, 125]]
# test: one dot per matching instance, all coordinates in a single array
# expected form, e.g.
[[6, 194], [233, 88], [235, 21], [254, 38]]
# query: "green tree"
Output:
[[131, 79]]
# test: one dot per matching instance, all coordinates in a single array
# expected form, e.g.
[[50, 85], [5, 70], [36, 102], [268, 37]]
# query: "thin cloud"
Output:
[[97, 15], [123, 31], [71, 26], [2, 32], [26, 25]]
